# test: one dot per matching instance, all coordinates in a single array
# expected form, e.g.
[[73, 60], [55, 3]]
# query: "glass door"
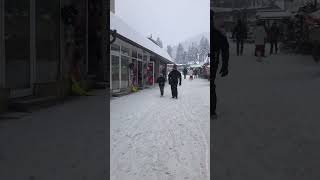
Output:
[[140, 73], [150, 73], [115, 73], [124, 72], [17, 45], [2, 62], [47, 40]]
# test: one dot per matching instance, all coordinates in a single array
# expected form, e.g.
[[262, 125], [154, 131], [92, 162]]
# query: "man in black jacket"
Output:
[[174, 79], [220, 45], [240, 33], [185, 72], [274, 37]]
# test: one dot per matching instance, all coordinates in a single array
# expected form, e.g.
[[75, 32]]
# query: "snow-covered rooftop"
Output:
[[126, 31]]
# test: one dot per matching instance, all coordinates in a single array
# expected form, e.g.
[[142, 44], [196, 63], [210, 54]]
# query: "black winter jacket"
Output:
[[220, 45], [174, 77], [161, 80]]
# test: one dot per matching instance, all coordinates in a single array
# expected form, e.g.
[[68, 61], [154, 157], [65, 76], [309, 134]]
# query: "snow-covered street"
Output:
[[268, 126], [160, 138]]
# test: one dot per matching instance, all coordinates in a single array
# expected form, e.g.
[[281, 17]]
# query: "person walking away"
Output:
[[221, 45], [195, 72], [164, 72], [185, 72], [191, 74], [161, 81], [240, 34], [174, 80], [259, 38], [274, 38]]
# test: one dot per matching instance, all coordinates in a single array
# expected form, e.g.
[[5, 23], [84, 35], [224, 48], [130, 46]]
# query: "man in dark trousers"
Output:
[[185, 72], [220, 45], [274, 37], [240, 33], [174, 79]]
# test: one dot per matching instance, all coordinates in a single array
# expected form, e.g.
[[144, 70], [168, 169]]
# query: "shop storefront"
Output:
[[119, 65], [129, 66], [41, 40], [30, 33], [142, 61]]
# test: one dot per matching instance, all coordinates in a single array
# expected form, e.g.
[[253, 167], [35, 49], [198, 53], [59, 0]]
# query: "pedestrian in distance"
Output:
[[185, 72], [191, 74], [260, 36], [161, 81], [274, 37], [240, 34], [221, 45], [174, 80]]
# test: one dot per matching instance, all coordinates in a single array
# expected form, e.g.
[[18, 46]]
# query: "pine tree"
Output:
[[204, 49], [193, 53], [159, 42], [169, 50], [180, 53]]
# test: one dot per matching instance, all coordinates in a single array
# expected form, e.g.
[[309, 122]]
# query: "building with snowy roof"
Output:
[[135, 61]]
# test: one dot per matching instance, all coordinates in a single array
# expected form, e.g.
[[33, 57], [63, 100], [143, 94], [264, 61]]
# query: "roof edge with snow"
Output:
[[128, 33]]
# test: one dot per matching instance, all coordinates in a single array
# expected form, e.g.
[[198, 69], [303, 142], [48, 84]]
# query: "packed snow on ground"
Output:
[[268, 125], [155, 137]]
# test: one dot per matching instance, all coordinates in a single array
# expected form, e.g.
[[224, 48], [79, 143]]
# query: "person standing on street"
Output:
[[260, 36], [221, 44], [174, 80], [185, 72], [240, 33], [274, 38], [195, 72], [161, 81], [191, 74]]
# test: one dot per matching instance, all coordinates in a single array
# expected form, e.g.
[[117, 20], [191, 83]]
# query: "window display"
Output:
[[150, 74]]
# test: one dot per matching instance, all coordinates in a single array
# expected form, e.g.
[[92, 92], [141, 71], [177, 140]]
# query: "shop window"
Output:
[[115, 65], [125, 51], [115, 47], [124, 72], [17, 44], [134, 54], [145, 58], [47, 40]]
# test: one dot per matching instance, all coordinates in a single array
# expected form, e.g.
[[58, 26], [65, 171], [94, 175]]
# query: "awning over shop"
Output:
[[124, 30], [274, 15]]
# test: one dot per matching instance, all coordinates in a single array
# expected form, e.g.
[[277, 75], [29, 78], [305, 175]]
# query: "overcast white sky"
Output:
[[172, 20]]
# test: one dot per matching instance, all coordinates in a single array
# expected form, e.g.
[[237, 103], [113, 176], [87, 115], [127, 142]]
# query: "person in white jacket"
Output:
[[260, 36]]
